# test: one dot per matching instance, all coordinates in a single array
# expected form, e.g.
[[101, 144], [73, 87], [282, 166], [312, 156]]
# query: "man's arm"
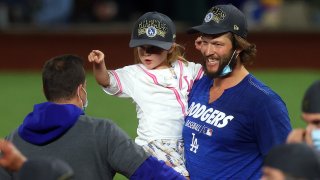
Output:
[[11, 157], [152, 168], [130, 160]]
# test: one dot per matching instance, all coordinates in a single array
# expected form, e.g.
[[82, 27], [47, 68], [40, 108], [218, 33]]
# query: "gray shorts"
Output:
[[170, 151]]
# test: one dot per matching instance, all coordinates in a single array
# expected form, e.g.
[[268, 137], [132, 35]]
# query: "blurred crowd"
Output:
[[260, 13]]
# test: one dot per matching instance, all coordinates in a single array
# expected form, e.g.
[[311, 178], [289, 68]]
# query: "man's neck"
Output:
[[73, 101], [236, 76]]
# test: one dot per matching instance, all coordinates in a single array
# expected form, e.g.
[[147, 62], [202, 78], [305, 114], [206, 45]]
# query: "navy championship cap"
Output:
[[153, 28], [221, 19], [311, 99]]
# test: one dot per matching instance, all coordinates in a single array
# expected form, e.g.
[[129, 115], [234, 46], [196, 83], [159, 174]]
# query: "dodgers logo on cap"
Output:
[[208, 17], [151, 31]]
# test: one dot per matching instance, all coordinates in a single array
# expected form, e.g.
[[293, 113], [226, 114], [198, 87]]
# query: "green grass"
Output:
[[19, 91]]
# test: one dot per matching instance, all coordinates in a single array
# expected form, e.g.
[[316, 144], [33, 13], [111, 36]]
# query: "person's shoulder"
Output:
[[202, 84], [185, 63], [99, 128], [12, 135], [260, 90], [204, 80], [94, 122], [258, 86]]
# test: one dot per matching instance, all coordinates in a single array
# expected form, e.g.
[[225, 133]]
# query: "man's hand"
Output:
[[300, 135], [11, 158]]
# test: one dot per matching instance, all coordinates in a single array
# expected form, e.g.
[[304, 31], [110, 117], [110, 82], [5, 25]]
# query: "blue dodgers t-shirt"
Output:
[[229, 137]]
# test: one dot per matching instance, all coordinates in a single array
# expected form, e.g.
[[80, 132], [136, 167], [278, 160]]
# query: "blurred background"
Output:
[[286, 32], [22, 15]]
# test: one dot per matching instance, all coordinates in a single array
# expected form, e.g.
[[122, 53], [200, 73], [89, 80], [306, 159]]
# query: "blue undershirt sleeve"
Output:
[[152, 168]]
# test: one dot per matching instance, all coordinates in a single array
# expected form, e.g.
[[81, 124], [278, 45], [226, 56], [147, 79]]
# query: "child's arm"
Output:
[[99, 68]]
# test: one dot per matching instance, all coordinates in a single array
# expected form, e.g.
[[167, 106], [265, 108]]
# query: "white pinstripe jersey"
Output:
[[161, 98]]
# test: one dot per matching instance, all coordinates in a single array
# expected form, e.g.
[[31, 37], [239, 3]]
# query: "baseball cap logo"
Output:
[[208, 17], [151, 31], [235, 27], [215, 14]]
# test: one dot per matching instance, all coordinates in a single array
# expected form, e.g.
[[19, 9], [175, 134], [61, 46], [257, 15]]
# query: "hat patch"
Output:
[[208, 17], [216, 15], [235, 27], [152, 28], [151, 31]]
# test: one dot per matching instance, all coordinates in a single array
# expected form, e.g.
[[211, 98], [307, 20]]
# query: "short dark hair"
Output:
[[61, 76]]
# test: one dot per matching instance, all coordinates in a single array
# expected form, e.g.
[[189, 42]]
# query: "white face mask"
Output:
[[315, 135], [85, 105]]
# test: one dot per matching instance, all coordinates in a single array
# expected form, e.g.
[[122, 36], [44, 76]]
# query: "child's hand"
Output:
[[96, 56]]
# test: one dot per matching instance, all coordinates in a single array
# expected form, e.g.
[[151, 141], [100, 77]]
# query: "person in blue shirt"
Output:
[[233, 118]]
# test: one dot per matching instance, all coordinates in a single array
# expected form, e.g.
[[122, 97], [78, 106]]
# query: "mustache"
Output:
[[216, 57]]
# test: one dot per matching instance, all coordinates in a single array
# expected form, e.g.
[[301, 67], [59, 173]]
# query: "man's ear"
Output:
[[78, 89], [238, 51]]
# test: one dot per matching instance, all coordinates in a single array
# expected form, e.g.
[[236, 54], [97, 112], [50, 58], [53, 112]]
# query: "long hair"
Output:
[[249, 51], [61, 76]]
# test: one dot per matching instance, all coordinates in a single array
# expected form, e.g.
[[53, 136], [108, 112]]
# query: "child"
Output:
[[159, 84]]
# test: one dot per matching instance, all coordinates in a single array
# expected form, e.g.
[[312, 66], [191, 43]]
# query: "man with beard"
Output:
[[233, 119]]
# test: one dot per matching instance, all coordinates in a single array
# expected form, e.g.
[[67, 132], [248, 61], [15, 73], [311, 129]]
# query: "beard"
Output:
[[223, 62]]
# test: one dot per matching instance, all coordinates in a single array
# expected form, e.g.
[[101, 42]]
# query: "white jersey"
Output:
[[161, 97]]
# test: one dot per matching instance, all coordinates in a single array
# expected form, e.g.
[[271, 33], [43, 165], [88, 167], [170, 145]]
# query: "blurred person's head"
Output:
[[296, 161], [311, 105], [223, 33]]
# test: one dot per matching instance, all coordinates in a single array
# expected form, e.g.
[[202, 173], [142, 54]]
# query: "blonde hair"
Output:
[[175, 53]]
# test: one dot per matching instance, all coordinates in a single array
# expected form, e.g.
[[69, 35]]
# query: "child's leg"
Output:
[[170, 151]]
